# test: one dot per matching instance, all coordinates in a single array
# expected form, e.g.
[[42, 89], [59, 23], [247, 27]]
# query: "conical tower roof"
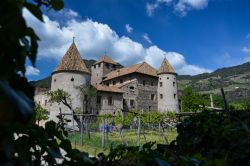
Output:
[[166, 68], [72, 61], [107, 59]]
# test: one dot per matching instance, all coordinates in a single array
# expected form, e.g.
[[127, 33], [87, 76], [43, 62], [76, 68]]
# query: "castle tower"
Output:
[[102, 67], [167, 88], [70, 73]]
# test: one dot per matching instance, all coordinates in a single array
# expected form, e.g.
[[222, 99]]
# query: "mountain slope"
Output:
[[235, 81]]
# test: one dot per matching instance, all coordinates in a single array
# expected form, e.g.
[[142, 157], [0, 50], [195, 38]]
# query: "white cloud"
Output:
[[246, 49], [146, 37], [32, 71], [181, 7], [151, 7], [94, 38], [128, 28]]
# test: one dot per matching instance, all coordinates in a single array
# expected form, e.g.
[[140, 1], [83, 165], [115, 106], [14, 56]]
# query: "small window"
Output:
[[45, 102], [54, 80], [39, 102], [167, 77], [161, 96], [107, 65], [173, 83], [149, 108], [107, 84], [132, 103], [160, 84], [94, 66], [99, 99], [131, 88], [85, 97], [152, 97], [160, 78], [174, 96], [144, 82], [110, 100], [97, 75], [99, 65], [152, 83], [114, 82], [72, 79], [121, 81]]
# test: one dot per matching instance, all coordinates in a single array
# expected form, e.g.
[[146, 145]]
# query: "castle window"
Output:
[[149, 108], [144, 82], [99, 99], [99, 65], [114, 82], [173, 83], [161, 96], [152, 83], [107, 65], [174, 96], [72, 79], [160, 84], [94, 66], [54, 80], [107, 84], [131, 88], [85, 97], [132, 103], [152, 97], [110, 100], [167, 77], [97, 75], [121, 81], [45, 102]]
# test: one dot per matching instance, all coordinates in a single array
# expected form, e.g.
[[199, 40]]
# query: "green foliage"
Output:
[[216, 137], [193, 101], [41, 113]]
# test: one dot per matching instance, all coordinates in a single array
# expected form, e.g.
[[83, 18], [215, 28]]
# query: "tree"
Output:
[[41, 113], [192, 101]]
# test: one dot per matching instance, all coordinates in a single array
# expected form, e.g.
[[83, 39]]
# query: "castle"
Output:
[[118, 88]]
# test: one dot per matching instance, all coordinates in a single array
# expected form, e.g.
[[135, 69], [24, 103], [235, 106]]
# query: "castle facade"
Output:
[[139, 87]]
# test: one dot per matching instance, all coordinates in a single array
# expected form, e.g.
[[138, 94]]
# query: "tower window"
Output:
[[161, 96], [72, 79], [152, 97], [54, 80], [110, 100], [173, 83], [160, 84], [107, 84], [174, 96], [107, 65], [99, 65], [45, 102], [97, 75], [167, 77], [99, 99], [144, 82], [94, 66], [132, 103], [131, 88], [121, 81], [114, 82], [152, 83]]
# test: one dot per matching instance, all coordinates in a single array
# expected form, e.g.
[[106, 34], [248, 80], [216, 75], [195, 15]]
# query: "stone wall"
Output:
[[167, 93]]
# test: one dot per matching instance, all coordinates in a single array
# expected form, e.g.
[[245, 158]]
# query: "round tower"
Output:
[[167, 88], [70, 73]]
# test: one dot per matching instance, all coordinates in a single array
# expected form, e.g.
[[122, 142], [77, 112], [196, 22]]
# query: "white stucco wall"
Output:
[[168, 90], [64, 81]]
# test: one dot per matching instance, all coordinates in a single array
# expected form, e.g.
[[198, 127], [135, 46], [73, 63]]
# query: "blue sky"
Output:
[[195, 35]]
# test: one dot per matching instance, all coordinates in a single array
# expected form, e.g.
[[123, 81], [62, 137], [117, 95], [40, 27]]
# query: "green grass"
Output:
[[93, 145]]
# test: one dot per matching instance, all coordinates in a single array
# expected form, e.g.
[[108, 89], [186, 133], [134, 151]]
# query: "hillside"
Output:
[[235, 81]]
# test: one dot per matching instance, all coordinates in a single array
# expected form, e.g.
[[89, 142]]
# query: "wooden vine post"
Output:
[[138, 130], [103, 132]]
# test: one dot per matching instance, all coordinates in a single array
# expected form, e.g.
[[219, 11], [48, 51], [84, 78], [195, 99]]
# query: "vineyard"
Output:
[[132, 129]]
